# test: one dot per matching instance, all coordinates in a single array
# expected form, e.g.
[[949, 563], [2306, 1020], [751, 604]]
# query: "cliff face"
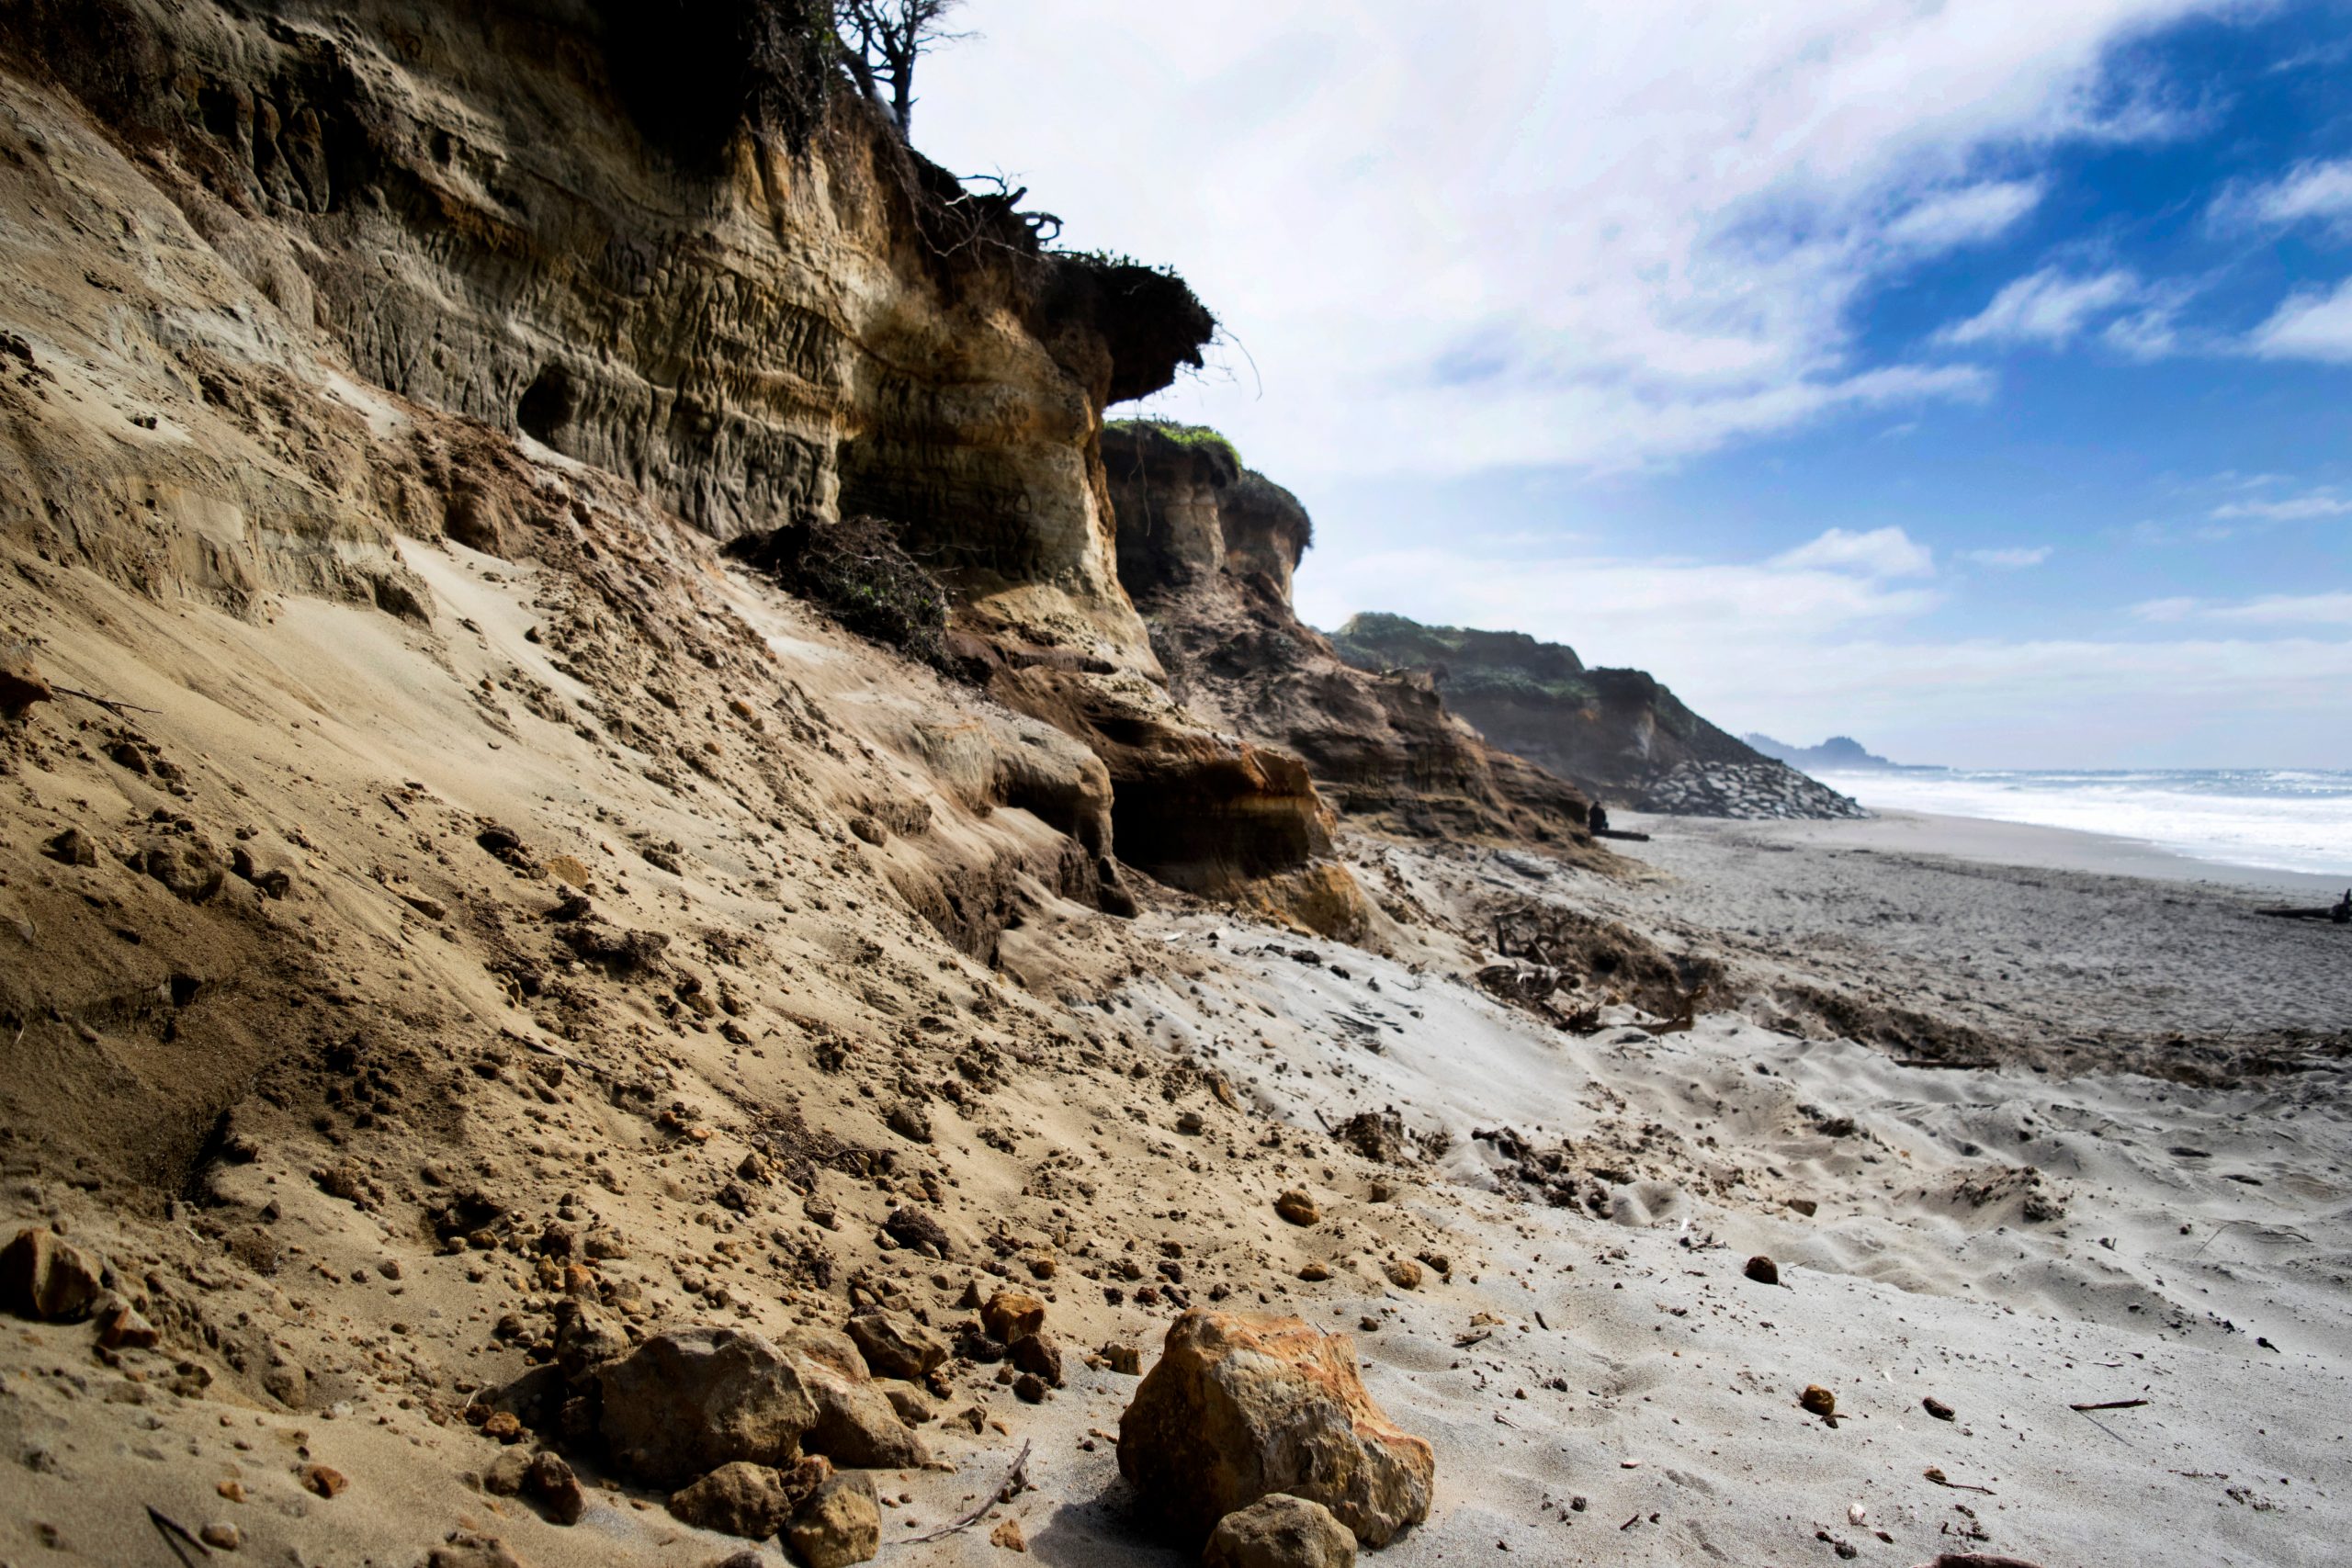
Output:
[[1206, 550], [1619, 734], [499, 211], [534, 240]]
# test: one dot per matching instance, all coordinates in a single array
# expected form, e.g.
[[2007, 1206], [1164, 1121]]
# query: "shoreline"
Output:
[[1992, 841]]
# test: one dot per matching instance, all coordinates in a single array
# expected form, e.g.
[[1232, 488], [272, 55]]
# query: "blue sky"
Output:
[[1972, 379]]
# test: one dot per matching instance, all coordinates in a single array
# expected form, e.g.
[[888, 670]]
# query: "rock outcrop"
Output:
[[1619, 734], [1206, 550], [1238, 1407]]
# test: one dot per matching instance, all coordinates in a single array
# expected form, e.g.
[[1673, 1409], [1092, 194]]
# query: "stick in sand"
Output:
[[1008, 1488]]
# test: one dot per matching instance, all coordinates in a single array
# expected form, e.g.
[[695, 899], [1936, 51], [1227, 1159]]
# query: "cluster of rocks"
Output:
[[1252, 1440], [753, 1435], [1751, 790], [47, 1279]]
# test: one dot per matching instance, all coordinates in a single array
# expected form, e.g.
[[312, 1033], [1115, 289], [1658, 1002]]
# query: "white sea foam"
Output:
[[2280, 819]]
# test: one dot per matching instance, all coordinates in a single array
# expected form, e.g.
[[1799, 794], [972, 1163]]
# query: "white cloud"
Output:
[[2014, 557], [2269, 610], [1594, 234], [2046, 307], [2293, 509], [2312, 325], [1882, 552], [2311, 192], [1967, 216]]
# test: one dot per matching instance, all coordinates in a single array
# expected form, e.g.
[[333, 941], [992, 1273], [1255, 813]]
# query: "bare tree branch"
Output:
[[881, 41]]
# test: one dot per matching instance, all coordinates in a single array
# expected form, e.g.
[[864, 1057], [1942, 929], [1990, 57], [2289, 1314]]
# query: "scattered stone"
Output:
[[1280, 1531], [506, 1474], [121, 1327], [1404, 1273], [911, 1122], [1029, 1387], [324, 1480], [552, 1486], [21, 684], [1315, 1271], [753, 1501], [1820, 1402], [467, 1550], [1008, 1535], [1763, 1271], [840, 1525], [585, 1338], [221, 1536], [896, 1345], [44, 1276], [186, 865], [1039, 1354], [1297, 1208], [912, 1227], [1239, 1407], [1013, 1315], [856, 1425], [690, 1400], [1378, 1136], [1190, 1124], [72, 847], [505, 1426], [1937, 1408], [1124, 1359], [913, 1404]]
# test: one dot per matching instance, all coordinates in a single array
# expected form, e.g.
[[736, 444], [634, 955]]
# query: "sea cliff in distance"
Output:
[[1619, 735], [1839, 754]]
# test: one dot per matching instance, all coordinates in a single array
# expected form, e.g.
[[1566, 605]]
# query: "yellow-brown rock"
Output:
[[1239, 1407]]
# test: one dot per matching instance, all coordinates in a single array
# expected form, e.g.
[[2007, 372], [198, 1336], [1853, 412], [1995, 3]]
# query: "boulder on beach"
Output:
[[1239, 1408], [690, 1400]]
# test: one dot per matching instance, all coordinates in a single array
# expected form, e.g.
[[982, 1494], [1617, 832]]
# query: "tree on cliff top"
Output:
[[882, 39]]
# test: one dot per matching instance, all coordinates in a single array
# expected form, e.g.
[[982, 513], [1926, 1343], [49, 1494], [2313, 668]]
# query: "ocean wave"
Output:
[[2276, 819]]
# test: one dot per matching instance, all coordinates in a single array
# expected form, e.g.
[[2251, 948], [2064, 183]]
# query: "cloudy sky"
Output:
[[1975, 378]]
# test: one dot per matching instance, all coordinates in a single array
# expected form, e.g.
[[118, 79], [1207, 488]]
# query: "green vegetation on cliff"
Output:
[[1180, 433]]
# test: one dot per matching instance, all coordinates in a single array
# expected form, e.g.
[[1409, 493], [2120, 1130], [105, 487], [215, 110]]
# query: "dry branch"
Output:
[[1016, 1480]]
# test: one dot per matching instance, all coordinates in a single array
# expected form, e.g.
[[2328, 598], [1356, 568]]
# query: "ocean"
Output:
[[2277, 819]]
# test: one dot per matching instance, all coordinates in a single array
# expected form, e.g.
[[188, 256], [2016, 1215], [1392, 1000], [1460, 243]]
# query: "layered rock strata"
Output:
[[1206, 549], [581, 237], [1620, 735]]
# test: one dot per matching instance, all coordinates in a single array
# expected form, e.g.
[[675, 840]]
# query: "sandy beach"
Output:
[[2018, 844]]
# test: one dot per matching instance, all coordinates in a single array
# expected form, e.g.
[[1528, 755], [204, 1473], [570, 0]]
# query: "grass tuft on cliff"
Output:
[[1180, 433]]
